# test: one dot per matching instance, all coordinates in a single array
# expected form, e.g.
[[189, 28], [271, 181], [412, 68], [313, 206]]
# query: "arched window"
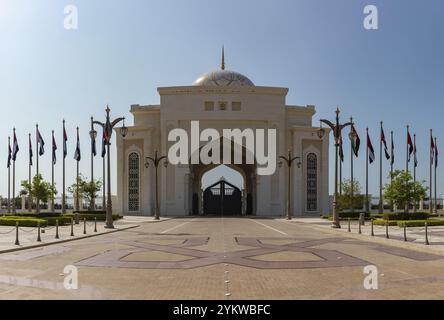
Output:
[[133, 182], [312, 182]]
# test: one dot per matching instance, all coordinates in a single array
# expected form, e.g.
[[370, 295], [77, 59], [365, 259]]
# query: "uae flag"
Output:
[[54, 149], [341, 150], [392, 156], [415, 156], [77, 154], [15, 148], [410, 145], [432, 150], [436, 155], [31, 153], [93, 147], [41, 143], [9, 155], [65, 140], [355, 141], [387, 155], [371, 151], [103, 144]]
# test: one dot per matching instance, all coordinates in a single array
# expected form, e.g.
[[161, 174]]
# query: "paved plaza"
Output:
[[228, 258]]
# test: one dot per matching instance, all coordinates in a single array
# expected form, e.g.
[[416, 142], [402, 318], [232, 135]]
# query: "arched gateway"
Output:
[[222, 100]]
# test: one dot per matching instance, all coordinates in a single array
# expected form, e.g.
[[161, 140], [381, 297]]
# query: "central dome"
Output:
[[224, 78]]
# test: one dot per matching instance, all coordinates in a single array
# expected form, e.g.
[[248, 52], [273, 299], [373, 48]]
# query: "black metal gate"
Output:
[[222, 199]]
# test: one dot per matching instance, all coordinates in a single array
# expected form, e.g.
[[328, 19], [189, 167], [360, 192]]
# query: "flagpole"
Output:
[[436, 191], [29, 175], [407, 166], [431, 178], [37, 148], [63, 169], [77, 183], [414, 172], [381, 202], [351, 173], [92, 133], [52, 174], [9, 176], [104, 189], [13, 176], [340, 177], [391, 168], [366, 178]]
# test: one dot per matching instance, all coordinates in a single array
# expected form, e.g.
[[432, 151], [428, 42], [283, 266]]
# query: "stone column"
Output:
[[24, 203], [421, 205]]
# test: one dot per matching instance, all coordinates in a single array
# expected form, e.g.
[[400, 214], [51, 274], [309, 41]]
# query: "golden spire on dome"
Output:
[[223, 58]]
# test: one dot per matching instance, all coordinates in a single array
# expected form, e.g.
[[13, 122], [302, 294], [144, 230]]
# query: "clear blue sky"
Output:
[[123, 50]]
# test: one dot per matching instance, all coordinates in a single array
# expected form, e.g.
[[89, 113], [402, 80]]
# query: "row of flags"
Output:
[[356, 142], [13, 151]]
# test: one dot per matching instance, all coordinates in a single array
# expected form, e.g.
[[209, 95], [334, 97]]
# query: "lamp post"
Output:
[[108, 127], [289, 162], [156, 162], [337, 133], [93, 136]]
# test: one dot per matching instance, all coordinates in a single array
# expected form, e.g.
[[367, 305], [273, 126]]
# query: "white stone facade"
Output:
[[222, 100]]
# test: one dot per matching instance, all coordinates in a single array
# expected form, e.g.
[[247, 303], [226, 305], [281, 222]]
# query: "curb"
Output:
[[65, 241], [390, 242]]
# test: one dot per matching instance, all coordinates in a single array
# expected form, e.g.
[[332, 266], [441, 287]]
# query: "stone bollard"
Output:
[[405, 232], [387, 230], [427, 243], [360, 229], [95, 224], [72, 227], [84, 225], [349, 225], [57, 229], [39, 239], [17, 242], [373, 231]]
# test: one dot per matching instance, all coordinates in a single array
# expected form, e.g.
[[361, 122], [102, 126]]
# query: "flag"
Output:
[[432, 150], [9, 155], [392, 156], [77, 154], [371, 151], [387, 155], [31, 154], [355, 141], [54, 149], [93, 147], [341, 150], [415, 156], [436, 155], [65, 139], [103, 145], [41, 143], [15, 148], [410, 145]]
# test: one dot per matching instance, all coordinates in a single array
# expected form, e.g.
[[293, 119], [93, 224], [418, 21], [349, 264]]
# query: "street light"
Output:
[[289, 162], [93, 136], [337, 133], [108, 127], [156, 162]]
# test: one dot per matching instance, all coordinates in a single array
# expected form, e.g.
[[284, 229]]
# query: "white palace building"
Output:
[[222, 100]]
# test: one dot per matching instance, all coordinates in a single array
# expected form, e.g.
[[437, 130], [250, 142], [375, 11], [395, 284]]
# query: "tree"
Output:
[[403, 190], [345, 200], [87, 190], [39, 190]]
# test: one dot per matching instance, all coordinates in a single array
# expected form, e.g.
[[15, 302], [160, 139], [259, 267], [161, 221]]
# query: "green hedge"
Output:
[[91, 217], [62, 220], [410, 223], [347, 215], [40, 215], [405, 216], [96, 212], [23, 221]]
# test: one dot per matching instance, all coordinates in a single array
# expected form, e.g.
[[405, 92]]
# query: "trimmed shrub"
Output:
[[405, 216], [62, 220], [40, 215], [91, 217], [23, 222], [420, 223], [380, 222], [91, 212]]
